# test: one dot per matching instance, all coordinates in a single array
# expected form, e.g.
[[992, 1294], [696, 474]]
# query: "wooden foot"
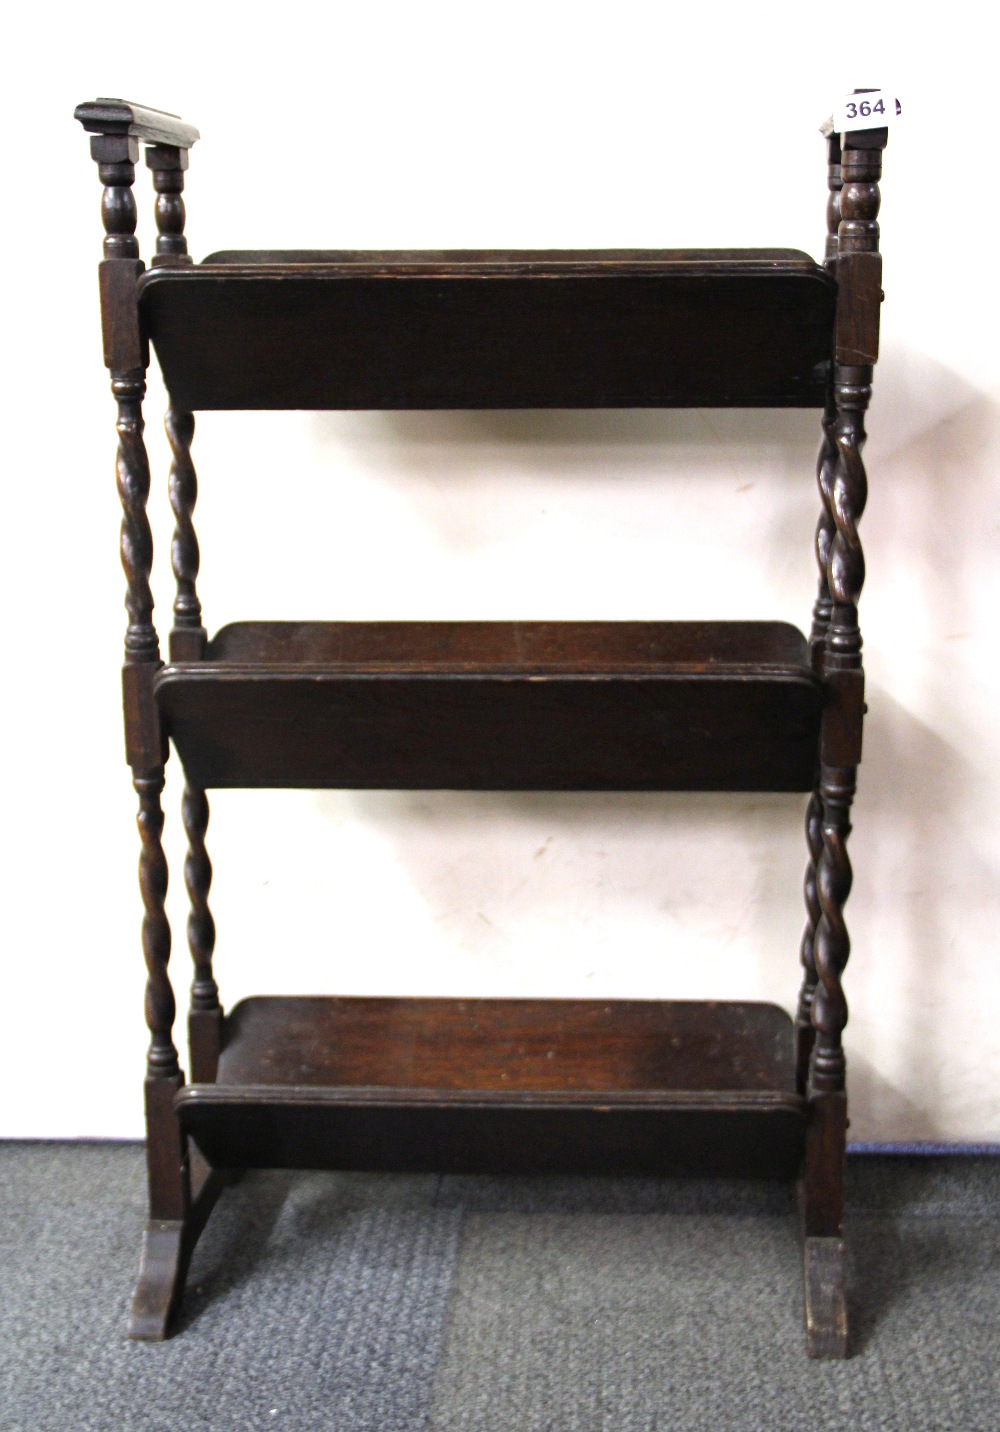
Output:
[[167, 1246], [162, 1270], [826, 1302]]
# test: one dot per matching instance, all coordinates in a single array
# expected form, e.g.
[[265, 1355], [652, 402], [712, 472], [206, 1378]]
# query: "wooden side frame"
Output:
[[178, 1202], [855, 167]]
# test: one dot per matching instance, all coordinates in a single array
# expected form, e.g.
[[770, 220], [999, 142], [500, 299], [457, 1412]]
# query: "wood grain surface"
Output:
[[494, 330]]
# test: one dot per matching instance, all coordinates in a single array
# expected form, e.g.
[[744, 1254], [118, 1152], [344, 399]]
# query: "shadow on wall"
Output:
[[476, 476], [638, 881], [448, 439], [927, 821], [914, 395], [934, 513], [922, 875], [473, 478]]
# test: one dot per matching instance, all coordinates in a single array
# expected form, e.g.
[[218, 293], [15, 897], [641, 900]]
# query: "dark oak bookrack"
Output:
[[500, 1084]]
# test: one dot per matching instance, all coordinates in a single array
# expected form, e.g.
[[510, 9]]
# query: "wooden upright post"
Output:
[[837, 639], [116, 129]]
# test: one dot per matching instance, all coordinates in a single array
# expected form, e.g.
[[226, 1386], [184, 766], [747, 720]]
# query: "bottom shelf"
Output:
[[501, 1085]]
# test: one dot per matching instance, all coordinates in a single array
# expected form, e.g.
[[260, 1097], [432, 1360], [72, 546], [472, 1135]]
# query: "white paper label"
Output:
[[872, 110]]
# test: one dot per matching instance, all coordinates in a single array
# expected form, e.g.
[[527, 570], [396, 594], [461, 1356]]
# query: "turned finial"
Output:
[[117, 127], [168, 164], [116, 156]]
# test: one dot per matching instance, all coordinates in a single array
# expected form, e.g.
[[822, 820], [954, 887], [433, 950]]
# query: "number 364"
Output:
[[863, 109]]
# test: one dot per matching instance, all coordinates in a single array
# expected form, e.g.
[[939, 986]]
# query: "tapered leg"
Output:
[[825, 1294], [822, 1212]]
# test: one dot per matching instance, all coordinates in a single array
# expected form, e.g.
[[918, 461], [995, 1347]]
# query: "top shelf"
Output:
[[506, 263], [617, 328]]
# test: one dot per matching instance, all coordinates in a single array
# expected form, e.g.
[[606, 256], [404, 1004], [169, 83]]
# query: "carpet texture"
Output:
[[350, 1302]]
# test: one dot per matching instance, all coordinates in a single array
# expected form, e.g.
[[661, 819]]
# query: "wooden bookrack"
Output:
[[504, 1084]]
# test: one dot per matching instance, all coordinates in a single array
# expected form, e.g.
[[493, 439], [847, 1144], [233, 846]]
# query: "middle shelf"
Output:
[[498, 706]]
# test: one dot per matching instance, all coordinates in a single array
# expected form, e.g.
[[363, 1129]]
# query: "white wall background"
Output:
[[536, 125]]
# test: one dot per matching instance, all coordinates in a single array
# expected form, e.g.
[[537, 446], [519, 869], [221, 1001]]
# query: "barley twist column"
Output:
[[859, 277], [826, 464], [804, 1033], [161, 1061], [846, 560], [842, 666], [187, 639], [132, 472], [832, 944], [142, 656], [205, 1019], [198, 880], [827, 460], [116, 167], [822, 608], [188, 636]]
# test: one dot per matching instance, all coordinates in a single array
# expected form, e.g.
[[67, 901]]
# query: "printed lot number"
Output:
[[873, 110]]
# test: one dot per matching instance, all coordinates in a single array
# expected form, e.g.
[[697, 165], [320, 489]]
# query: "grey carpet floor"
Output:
[[350, 1302]]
